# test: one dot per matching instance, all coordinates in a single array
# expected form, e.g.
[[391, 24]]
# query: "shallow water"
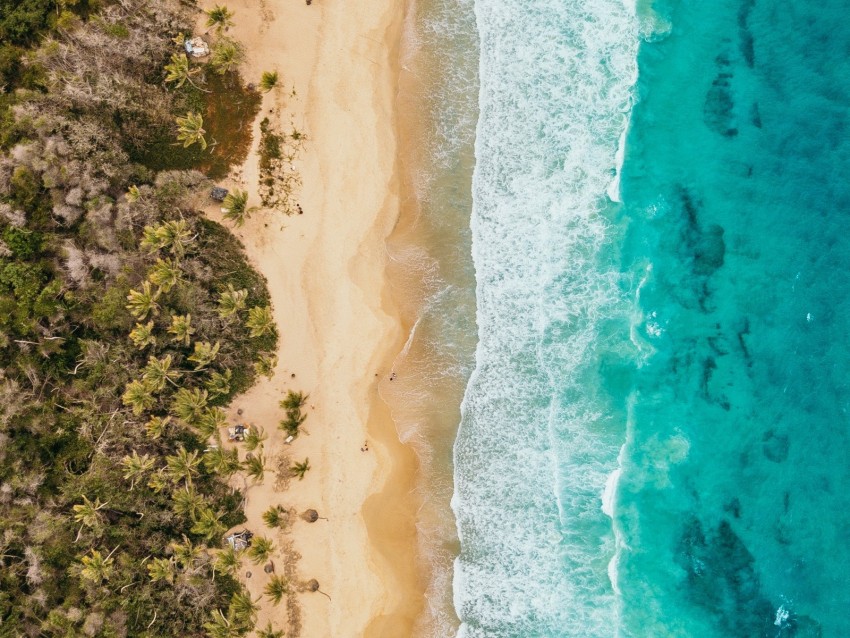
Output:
[[431, 273]]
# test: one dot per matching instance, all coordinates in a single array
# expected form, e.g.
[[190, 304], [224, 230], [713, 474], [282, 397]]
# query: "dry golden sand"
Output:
[[326, 272]]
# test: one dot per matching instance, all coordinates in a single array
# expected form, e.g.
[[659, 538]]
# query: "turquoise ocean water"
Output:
[[654, 438]]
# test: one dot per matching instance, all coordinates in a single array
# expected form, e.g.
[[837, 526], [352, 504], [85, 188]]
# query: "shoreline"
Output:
[[339, 328]]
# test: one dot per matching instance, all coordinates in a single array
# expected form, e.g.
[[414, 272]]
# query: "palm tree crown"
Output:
[[181, 329], [277, 588], [96, 567], [204, 354], [142, 302], [189, 404], [235, 207], [190, 130], [165, 273], [219, 17], [261, 549], [142, 335], [227, 55], [183, 466], [260, 321], [158, 372], [139, 396], [300, 469], [179, 71], [135, 467], [231, 301]]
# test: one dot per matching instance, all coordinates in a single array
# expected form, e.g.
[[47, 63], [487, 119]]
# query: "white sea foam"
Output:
[[536, 446]]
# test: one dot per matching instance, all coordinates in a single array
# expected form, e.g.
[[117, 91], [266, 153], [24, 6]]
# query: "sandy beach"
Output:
[[339, 331]]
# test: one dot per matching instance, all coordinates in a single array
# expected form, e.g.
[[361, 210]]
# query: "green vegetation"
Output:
[[235, 206], [190, 130], [270, 632], [301, 469], [275, 516], [219, 17], [277, 588], [179, 71], [268, 81], [261, 550], [227, 55], [292, 404], [127, 321], [255, 466]]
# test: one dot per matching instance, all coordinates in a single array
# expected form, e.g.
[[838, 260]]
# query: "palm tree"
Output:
[[208, 524], [142, 302], [300, 469], [187, 501], [210, 421], [268, 80], [274, 516], [260, 320], [88, 514], [186, 553], [218, 383], [139, 396], [261, 550], [265, 365], [158, 372], [292, 403], [190, 130], [243, 609], [255, 438], [219, 17], [270, 632], [277, 588], [179, 71], [155, 427], [183, 466], [95, 567], [181, 329], [226, 561], [174, 235], [159, 481], [189, 404], [142, 335], [204, 354], [255, 467], [222, 462], [165, 273], [235, 207], [227, 55], [161, 569], [135, 467], [231, 301], [220, 627], [294, 400], [133, 194], [292, 422], [151, 240]]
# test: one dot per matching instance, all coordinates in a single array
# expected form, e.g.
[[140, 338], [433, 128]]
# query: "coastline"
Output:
[[339, 329]]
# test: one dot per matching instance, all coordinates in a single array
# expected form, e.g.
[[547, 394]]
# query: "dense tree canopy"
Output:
[[124, 327]]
